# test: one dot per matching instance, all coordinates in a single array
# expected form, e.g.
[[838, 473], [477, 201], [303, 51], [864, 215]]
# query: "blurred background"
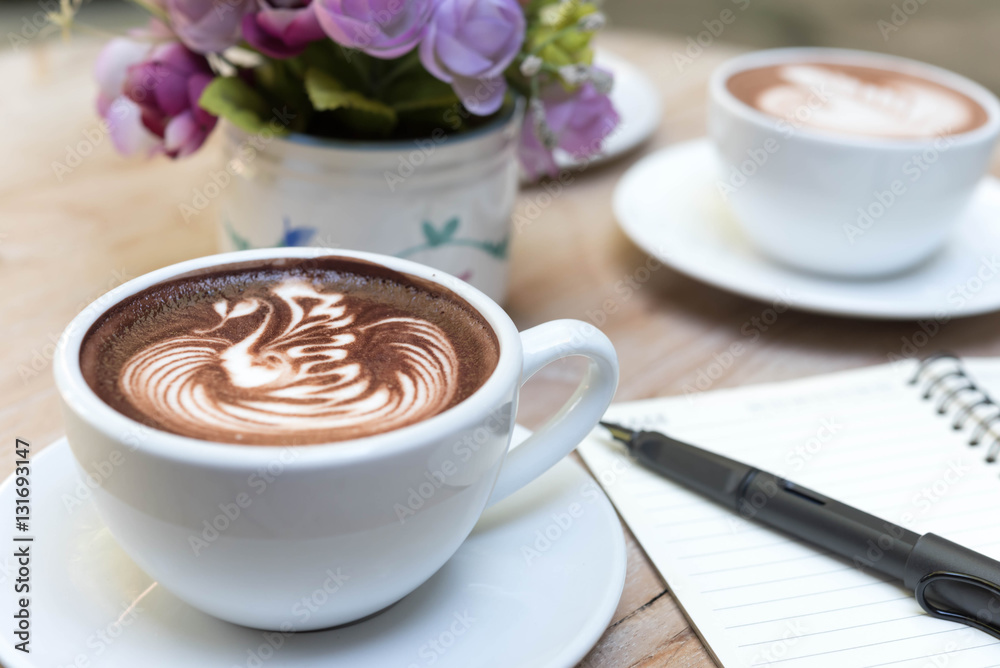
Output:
[[960, 35], [957, 34]]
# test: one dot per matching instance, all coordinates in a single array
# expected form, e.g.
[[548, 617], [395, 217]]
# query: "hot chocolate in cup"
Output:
[[845, 162], [298, 437]]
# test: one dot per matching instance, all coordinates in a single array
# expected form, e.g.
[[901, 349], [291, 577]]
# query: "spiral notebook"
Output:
[[919, 454]]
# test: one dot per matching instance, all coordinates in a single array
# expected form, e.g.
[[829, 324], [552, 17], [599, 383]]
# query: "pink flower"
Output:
[[579, 121], [582, 121], [208, 26], [469, 43], [536, 159], [122, 115], [381, 28], [166, 87], [282, 28]]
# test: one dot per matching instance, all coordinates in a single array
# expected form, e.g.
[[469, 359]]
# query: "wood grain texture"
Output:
[[67, 237]]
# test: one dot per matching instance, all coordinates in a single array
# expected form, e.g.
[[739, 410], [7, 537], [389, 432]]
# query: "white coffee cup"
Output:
[[309, 537], [837, 203]]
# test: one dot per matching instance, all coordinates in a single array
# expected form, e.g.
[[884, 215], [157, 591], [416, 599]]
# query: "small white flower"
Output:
[[592, 22], [531, 65], [542, 130], [574, 74], [603, 81]]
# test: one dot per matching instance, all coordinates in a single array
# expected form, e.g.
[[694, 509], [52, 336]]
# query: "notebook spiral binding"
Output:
[[972, 405]]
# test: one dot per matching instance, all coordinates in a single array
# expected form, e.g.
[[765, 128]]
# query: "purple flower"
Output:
[[282, 28], [535, 158], [381, 28], [469, 43], [166, 87], [121, 114], [208, 26], [582, 121], [579, 121]]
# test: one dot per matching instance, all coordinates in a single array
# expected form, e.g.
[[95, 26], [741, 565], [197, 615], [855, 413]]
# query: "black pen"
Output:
[[949, 581]]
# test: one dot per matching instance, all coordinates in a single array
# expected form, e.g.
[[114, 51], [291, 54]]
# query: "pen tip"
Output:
[[620, 433]]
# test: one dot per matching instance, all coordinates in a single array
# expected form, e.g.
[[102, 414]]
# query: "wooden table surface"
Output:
[[66, 237]]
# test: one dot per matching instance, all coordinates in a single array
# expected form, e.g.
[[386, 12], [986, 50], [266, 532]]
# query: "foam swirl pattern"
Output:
[[857, 100], [906, 108], [293, 361]]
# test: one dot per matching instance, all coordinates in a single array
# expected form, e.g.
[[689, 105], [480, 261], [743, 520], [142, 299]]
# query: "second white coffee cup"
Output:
[[837, 203]]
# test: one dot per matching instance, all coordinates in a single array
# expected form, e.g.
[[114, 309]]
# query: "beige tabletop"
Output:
[[76, 220]]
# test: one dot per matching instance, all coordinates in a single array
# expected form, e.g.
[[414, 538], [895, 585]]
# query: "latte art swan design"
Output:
[[295, 361]]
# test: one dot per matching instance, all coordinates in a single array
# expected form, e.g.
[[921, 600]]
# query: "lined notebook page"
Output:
[[865, 437]]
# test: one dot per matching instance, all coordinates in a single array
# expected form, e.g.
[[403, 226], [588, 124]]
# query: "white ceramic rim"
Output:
[[82, 400], [719, 93]]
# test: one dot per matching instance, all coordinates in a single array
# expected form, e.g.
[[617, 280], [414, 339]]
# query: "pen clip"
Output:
[[984, 619]]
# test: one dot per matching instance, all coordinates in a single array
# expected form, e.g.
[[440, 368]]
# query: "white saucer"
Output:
[[493, 604], [668, 204]]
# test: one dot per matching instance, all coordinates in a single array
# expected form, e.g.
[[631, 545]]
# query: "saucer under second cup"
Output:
[[669, 204]]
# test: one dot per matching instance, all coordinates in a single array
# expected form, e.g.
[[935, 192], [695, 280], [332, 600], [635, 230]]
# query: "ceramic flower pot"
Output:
[[445, 200]]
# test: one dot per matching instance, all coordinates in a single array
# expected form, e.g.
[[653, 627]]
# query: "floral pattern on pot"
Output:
[[434, 237], [291, 236], [445, 236]]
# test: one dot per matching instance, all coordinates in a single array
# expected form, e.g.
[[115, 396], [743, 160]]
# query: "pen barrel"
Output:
[[868, 542], [712, 475]]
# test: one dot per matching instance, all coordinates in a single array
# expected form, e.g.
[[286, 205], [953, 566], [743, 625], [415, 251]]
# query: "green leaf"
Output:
[[440, 237], [327, 94], [350, 67], [239, 242], [418, 90], [498, 249], [362, 115], [233, 99], [426, 104], [432, 236], [282, 87], [449, 229], [423, 104]]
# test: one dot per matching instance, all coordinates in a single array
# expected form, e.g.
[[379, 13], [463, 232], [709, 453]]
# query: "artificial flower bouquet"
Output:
[[358, 70]]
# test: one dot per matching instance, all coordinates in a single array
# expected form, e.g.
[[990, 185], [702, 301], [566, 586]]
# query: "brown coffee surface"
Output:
[[288, 352], [857, 100]]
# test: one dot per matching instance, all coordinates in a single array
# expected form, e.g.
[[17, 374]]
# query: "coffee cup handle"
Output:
[[558, 437]]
